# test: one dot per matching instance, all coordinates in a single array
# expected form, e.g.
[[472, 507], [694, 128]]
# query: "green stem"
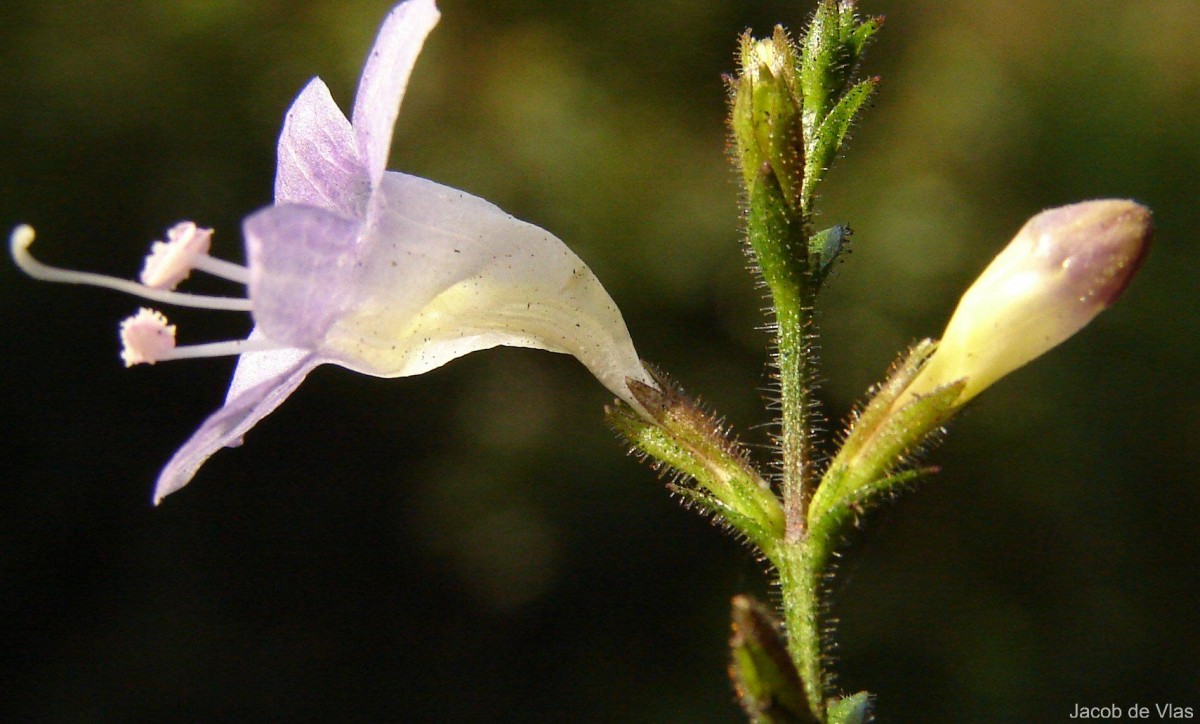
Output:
[[779, 236], [800, 581], [790, 114], [794, 356]]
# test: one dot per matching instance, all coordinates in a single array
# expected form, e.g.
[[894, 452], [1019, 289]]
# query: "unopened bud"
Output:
[[764, 676], [1064, 267], [765, 117]]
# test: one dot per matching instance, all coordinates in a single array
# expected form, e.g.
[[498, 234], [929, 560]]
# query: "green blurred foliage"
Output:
[[472, 545]]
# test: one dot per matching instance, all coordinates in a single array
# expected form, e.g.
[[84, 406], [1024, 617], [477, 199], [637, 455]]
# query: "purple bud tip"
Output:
[[1098, 245]]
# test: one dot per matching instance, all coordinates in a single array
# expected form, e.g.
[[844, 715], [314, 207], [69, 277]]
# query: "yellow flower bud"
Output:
[[1063, 268]]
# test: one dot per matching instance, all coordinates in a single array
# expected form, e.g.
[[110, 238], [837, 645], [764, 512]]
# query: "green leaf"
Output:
[[820, 71], [830, 54], [826, 140], [862, 34]]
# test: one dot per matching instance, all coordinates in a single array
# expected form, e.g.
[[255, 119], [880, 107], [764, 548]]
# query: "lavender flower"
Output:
[[380, 272]]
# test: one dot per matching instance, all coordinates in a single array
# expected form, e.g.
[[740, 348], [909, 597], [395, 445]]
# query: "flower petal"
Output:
[[303, 265], [385, 78], [444, 273], [319, 163], [226, 426], [254, 367]]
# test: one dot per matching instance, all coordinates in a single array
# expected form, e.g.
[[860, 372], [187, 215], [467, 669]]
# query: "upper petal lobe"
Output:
[[385, 78], [319, 163]]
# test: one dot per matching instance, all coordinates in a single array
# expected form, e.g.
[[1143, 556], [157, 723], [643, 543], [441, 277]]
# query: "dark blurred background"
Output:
[[474, 544]]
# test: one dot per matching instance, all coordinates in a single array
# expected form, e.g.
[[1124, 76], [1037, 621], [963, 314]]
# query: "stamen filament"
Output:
[[223, 269], [219, 349], [22, 237]]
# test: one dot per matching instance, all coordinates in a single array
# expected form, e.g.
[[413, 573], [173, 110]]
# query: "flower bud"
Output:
[[767, 683], [765, 117], [1063, 268]]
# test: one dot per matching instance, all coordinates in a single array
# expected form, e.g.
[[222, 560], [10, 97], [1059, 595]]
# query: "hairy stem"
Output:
[[800, 581], [794, 358], [779, 237]]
